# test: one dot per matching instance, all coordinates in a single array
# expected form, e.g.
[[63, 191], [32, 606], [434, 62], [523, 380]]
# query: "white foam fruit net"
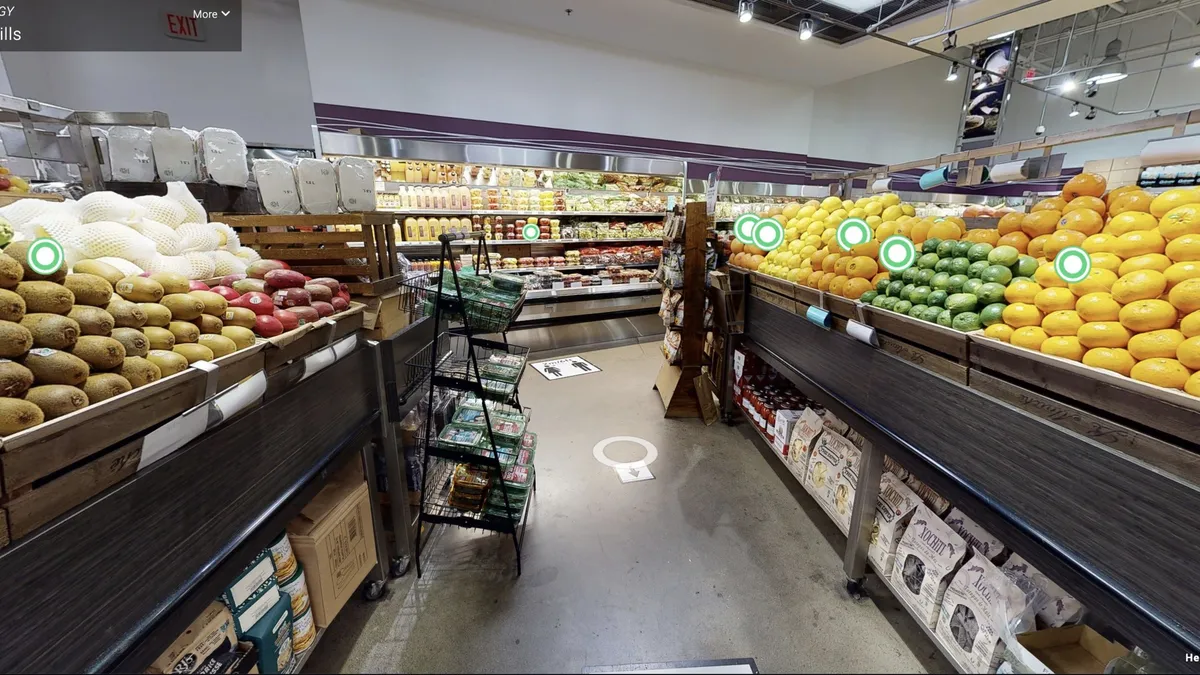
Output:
[[248, 254], [166, 211], [226, 263], [165, 240], [197, 237], [22, 211], [179, 193], [126, 267], [60, 226], [110, 207], [99, 240], [176, 264], [200, 266], [228, 236]]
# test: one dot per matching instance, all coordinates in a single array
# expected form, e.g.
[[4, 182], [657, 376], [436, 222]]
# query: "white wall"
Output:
[[895, 115], [262, 92], [475, 71]]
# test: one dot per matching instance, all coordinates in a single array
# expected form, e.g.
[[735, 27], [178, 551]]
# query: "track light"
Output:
[[1091, 115], [950, 41], [1091, 90], [1067, 85], [745, 11], [1111, 68], [1074, 110], [806, 28], [1196, 61], [953, 74]]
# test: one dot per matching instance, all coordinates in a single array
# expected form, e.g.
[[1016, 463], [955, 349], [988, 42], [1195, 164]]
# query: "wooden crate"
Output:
[[281, 350], [364, 259], [941, 340], [7, 198]]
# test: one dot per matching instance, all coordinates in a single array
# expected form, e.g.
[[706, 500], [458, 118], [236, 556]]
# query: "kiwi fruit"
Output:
[[172, 282], [159, 338], [15, 340], [168, 362], [183, 307], [12, 306], [51, 366], [92, 320], [19, 252], [101, 353], [156, 314], [136, 342], [139, 289], [214, 303], [105, 385], [15, 379], [89, 289], [17, 414], [242, 337], [57, 400], [46, 296], [139, 371], [194, 353], [239, 316], [208, 324], [219, 344], [52, 330], [126, 314], [184, 332], [11, 272], [101, 269]]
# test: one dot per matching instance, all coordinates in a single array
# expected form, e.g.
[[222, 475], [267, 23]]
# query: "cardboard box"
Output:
[[334, 539], [1070, 650], [784, 421], [385, 315], [207, 638]]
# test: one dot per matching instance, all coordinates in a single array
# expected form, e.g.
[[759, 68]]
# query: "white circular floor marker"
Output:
[[651, 452]]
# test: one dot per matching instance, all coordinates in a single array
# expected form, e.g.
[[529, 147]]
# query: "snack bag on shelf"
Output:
[[801, 442], [1054, 606], [980, 539], [927, 556], [980, 605], [827, 458], [933, 500], [893, 510]]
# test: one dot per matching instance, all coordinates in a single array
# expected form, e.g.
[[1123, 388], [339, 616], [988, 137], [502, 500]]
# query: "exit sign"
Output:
[[183, 27]]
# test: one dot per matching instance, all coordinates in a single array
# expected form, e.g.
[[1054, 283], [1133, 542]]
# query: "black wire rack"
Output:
[[449, 358], [468, 299]]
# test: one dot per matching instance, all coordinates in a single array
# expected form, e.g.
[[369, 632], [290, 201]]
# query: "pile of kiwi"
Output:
[[70, 340]]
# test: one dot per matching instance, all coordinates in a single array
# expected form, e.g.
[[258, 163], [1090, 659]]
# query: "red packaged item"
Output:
[[558, 261], [541, 261], [525, 262]]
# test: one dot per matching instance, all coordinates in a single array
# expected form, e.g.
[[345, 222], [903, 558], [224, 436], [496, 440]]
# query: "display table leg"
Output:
[[862, 516]]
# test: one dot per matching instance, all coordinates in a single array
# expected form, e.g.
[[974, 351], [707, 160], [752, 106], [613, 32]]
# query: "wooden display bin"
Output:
[[363, 258], [947, 342]]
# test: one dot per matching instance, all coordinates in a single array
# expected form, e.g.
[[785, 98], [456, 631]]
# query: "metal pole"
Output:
[[862, 516], [401, 554]]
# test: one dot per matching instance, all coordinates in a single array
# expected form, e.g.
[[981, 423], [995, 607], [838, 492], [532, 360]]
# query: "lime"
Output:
[[997, 273], [917, 311], [927, 261], [1004, 255], [877, 301], [976, 269], [931, 245], [902, 306], [867, 297], [1025, 267], [961, 248], [931, 314], [972, 286], [991, 292], [961, 302], [908, 288], [883, 285], [940, 281], [955, 284], [979, 252], [945, 318], [943, 265], [910, 275], [925, 276], [920, 295], [894, 288], [966, 322], [992, 314], [946, 249], [937, 298], [959, 266], [889, 302]]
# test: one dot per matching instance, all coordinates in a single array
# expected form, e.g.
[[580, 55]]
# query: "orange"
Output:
[[1020, 315], [1115, 359], [862, 266], [838, 284], [1150, 261], [1086, 202], [1085, 184], [1185, 296], [983, 236], [1162, 372], [1189, 353], [1037, 245], [1040, 222], [1087, 221], [1021, 291], [1129, 222], [1017, 240], [754, 250], [1047, 277], [1053, 299], [814, 279], [1029, 337], [1179, 221], [1140, 316], [869, 249], [1184, 248], [1156, 344], [842, 263], [999, 331], [879, 277], [755, 261], [1098, 306], [1172, 199], [818, 257], [1192, 386], [1190, 325], [1100, 279], [1061, 239], [1010, 222], [1108, 261], [906, 228], [826, 280], [920, 231], [1141, 242], [1117, 192], [736, 246], [855, 287], [1100, 243], [1061, 322], [1065, 346], [828, 263], [1136, 200], [1103, 334], [945, 229], [1139, 285], [1050, 204]]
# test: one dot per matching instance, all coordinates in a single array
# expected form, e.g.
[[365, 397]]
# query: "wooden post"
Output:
[[676, 384]]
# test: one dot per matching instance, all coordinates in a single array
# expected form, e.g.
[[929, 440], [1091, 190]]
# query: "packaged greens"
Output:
[[508, 282], [472, 418], [460, 437], [499, 371]]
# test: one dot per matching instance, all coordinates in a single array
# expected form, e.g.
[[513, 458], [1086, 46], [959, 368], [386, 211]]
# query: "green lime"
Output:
[[991, 292], [961, 302], [945, 318], [937, 298], [867, 297], [946, 249], [940, 281], [966, 322], [943, 265], [920, 295], [959, 266], [1025, 267], [902, 306], [972, 286], [961, 248], [889, 302], [955, 283], [894, 288], [979, 252], [925, 276], [917, 311], [1003, 255], [976, 269], [997, 274], [931, 315], [927, 261], [931, 245], [877, 301], [910, 275], [992, 314]]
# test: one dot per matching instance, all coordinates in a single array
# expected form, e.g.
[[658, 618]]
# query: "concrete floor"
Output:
[[721, 556]]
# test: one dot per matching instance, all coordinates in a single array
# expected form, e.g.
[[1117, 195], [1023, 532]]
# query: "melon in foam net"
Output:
[[163, 210]]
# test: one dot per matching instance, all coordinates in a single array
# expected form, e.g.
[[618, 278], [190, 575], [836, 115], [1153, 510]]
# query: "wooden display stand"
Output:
[[676, 384]]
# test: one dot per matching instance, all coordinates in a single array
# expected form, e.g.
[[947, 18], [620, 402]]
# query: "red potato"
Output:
[[259, 303], [339, 303], [281, 279], [323, 308], [228, 279], [305, 314], [198, 286], [319, 292], [291, 297], [259, 268], [287, 318], [226, 292], [267, 326]]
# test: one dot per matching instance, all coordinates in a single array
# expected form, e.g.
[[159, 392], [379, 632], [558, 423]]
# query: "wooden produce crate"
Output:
[[7, 198], [283, 349], [947, 342], [843, 307], [361, 254], [1168, 411]]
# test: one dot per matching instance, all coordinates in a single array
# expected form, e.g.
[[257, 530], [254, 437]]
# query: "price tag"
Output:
[[606, 282], [576, 284], [862, 332], [556, 285], [819, 317], [739, 362]]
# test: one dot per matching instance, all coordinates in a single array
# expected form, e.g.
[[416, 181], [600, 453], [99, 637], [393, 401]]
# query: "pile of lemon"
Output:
[[1138, 312]]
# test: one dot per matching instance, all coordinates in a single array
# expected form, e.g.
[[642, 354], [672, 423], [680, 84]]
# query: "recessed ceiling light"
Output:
[[953, 74], [1067, 85], [1196, 61], [858, 6], [1074, 110]]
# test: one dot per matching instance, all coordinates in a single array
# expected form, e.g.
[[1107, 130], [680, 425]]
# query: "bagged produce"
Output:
[[175, 154], [132, 154], [927, 556], [317, 184], [223, 154], [356, 184]]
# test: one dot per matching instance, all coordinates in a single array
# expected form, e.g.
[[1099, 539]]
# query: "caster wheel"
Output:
[[854, 587], [372, 591], [398, 567]]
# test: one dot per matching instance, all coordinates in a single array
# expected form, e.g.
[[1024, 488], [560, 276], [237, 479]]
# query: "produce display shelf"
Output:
[[580, 214], [946, 653], [570, 268], [611, 289], [1042, 489], [393, 187], [523, 242]]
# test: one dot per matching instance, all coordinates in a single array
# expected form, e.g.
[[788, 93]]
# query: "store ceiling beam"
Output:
[[998, 15]]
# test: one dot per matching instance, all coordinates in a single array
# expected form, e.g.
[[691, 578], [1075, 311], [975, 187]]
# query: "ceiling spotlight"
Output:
[[1091, 89], [1111, 68], [1091, 114], [745, 11], [950, 41], [953, 74], [1074, 110], [1196, 61], [1067, 85], [806, 28]]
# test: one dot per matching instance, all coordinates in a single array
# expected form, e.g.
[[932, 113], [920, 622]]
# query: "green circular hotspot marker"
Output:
[[743, 227], [45, 256], [897, 253], [531, 231], [852, 232], [1072, 264], [768, 234]]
